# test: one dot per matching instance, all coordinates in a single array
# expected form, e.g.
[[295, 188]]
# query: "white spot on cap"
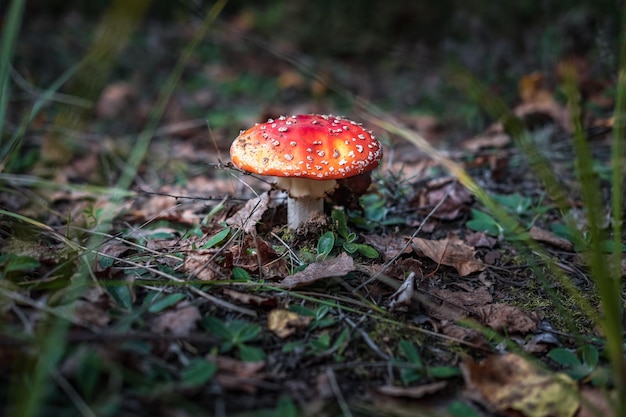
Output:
[[288, 156]]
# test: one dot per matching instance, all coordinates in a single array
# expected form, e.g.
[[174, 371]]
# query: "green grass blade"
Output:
[[607, 279], [10, 148], [143, 142], [618, 159], [13, 21]]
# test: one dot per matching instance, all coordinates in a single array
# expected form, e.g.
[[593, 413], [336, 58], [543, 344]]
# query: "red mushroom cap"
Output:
[[310, 146]]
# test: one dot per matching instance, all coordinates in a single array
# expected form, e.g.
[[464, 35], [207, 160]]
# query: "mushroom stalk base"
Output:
[[299, 210]]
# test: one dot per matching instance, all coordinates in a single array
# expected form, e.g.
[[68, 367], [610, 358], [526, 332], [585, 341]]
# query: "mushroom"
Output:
[[308, 153]]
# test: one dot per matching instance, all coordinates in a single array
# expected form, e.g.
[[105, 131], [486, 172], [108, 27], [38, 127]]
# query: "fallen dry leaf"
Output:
[[201, 265], [237, 375], [249, 252], [507, 318], [545, 236], [453, 305], [509, 384], [248, 216], [489, 139], [456, 198], [336, 267], [480, 240], [91, 313], [284, 322], [114, 98], [254, 251], [531, 88], [464, 334], [246, 298], [404, 293], [597, 402], [389, 246], [450, 251], [178, 321]]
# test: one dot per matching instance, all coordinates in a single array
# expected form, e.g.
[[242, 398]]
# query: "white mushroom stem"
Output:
[[305, 197], [299, 210]]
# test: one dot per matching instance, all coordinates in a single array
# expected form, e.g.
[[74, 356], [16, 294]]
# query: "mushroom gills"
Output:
[[300, 188]]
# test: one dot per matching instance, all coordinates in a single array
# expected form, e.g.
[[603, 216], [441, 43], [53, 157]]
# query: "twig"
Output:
[[368, 340], [69, 390], [337, 391]]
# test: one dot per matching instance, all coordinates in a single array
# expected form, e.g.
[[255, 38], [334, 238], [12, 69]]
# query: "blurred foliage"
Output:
[[369, 27]]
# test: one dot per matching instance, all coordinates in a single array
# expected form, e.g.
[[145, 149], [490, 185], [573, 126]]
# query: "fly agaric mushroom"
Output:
[[308, 153]]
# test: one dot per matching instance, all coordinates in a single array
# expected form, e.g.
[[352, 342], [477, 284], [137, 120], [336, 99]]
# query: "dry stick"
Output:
[[368, 340], [291, 252], [12, 295], [337, 391], [214, 300], [80, 336], [419, 229], [71, 392]]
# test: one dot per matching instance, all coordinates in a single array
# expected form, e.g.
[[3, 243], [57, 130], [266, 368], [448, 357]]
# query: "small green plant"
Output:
[[320, 316], [375, 213], [198, 372], [236, 334], [516, 205], [13, 265], [321, 345], [93, 215], [413, 368], [577, 364], [325, 245], [217, 238], [157, 302], [461, 409], [343, 238], [285, 407], [240, 274]]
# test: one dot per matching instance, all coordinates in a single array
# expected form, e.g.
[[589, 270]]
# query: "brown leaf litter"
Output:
[[512, 386], [179, 320], [250, 214], [237, 375], [451, 251], [335, 267], [248, 253]]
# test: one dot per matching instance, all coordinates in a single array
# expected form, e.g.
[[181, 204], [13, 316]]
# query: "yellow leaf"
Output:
[[509, 383], [284, 322]]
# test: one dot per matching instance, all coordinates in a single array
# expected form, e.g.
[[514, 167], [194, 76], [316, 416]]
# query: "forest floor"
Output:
[[148, 295]]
